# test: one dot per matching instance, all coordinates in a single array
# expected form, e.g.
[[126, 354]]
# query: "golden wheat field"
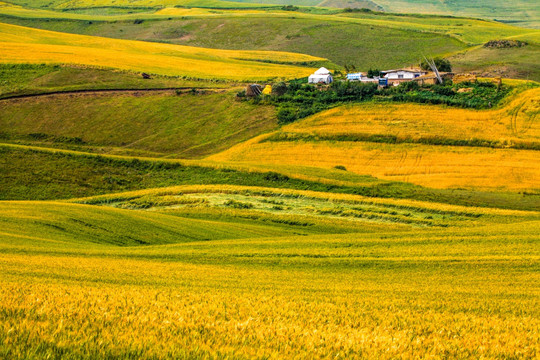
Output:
[[25, 45], [425, 152], [515, 122], [466, 291], [432, 166]]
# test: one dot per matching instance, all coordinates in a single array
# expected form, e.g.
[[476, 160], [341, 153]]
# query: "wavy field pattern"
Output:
[[26, 45]]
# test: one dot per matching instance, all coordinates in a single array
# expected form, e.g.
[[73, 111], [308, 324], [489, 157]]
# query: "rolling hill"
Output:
[[155, 123], [523, 12], [346, 38], [235, 295], [168, 215], [26, 45]]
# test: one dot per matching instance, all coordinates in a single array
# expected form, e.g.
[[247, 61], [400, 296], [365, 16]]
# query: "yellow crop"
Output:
[[25, 45], [384, 295], [435, 166], [515, 122]]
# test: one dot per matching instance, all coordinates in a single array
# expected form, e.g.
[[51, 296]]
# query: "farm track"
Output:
[[106, 91]]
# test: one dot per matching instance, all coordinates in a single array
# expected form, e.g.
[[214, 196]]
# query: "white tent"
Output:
[[321, 76], [322, 71]]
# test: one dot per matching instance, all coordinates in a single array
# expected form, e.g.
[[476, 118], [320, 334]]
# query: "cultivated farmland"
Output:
[[25, 45], [151, 207]]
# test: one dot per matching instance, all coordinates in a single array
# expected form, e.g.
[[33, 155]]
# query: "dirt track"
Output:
[[135, 92]]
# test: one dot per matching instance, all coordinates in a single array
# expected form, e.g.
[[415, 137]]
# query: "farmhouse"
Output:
[[395, 77], [321, 76]]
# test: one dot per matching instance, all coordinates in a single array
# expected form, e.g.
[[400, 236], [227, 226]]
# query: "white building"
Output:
[[402, 75], [321, 76], [355, 76]]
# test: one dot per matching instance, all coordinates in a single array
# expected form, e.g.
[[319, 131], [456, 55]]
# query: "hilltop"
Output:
[[363, 39]]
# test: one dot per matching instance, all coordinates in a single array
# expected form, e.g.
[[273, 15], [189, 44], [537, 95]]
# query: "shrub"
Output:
[[279, 88], [286, 115], [238, 204], [276, 177]]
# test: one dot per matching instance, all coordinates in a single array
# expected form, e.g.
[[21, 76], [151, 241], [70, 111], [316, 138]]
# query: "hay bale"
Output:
[[459, 78], [253, 90]]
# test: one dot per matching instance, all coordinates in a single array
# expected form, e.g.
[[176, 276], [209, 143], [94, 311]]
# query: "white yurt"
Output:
[[321, 76]]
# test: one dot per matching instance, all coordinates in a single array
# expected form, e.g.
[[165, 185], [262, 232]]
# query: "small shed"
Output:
[[321, 76]]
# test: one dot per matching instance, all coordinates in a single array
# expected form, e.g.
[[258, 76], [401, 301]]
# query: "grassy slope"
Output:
[[165, 123], [73, 225], [511, 63], [21, 44], [521, 12], [348, 38], [40, 173], [20, 79], [344, 43]]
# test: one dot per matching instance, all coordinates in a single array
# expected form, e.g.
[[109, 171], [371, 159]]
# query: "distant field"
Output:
[[522, 12], [361, 39], [26, 45], [28, 79], [510, 63], [336, 40]]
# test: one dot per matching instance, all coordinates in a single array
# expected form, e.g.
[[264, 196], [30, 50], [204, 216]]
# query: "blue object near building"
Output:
[[383, 82], [354, 76]]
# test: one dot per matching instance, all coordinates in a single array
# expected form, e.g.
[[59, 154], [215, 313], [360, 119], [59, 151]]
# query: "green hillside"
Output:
[[74, 225], [342, 42], [520, 63], [189, 124], [44, 174]]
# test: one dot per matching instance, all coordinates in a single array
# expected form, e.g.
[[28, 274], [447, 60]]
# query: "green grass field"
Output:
[[522, 12], [509, 63], [29, 79], [157, 124]]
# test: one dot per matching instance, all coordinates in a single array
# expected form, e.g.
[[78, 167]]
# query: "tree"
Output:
[[443, 65], [373, 73]]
